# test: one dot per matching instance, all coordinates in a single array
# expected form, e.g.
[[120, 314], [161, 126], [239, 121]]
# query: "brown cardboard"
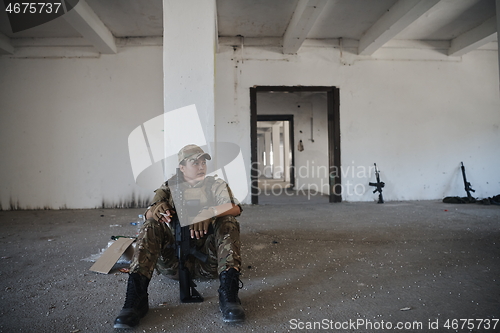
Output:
[[111, 255]]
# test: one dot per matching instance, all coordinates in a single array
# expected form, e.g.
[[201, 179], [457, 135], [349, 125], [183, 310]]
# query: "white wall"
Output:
[[64, 125], [416, 113], [64, 122]]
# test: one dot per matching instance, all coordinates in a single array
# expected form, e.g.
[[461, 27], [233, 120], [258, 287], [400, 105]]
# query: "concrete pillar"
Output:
[[276, 151], [189, 46], [261, 151], [498, 36], [286, 149], [267, 167]]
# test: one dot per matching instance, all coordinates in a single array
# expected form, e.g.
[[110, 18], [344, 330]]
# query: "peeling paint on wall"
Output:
[[15, 205], [133, 202]]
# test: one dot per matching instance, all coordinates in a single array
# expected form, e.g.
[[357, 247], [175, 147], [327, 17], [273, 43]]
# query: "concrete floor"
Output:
[[304, 261]]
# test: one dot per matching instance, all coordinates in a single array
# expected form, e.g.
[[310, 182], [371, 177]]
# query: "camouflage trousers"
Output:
[[155, 248]]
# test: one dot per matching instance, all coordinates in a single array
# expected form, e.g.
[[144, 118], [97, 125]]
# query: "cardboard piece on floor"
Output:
[[111, 255]]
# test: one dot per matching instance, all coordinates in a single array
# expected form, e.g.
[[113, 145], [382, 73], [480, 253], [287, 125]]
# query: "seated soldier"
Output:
[[155, 242]]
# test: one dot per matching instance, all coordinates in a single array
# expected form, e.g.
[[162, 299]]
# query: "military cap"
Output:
[[192, 152]]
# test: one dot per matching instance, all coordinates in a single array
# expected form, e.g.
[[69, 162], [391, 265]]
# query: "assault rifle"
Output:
[[467, 185], [185, 247], [379, 185]]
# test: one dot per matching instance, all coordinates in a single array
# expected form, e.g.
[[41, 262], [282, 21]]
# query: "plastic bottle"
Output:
[[138, 224]]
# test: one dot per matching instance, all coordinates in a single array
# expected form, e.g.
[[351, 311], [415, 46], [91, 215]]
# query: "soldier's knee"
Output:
[[227, 225], [156, 229], [151, 222]]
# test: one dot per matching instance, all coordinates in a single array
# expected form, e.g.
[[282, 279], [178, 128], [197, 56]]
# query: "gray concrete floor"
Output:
[[304, 261]]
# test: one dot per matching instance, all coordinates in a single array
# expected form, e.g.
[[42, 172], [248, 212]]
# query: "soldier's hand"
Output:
[[199, 229], [167, 216], [161, 212]]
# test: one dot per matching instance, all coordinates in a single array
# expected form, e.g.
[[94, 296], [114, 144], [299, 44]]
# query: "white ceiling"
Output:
[[462, 23]]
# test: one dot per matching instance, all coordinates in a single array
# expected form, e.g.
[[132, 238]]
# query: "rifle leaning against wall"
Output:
[[379, 185], [467, 185]]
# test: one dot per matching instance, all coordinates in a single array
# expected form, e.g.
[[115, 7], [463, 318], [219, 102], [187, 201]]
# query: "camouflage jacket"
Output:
[[211, 191]]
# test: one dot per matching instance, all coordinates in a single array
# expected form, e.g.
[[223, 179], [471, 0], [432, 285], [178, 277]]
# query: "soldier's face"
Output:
[[194, 171]]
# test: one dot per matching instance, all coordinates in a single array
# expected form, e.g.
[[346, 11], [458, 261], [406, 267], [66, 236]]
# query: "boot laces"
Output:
[[230, 285], [130, 299], [134, 288]]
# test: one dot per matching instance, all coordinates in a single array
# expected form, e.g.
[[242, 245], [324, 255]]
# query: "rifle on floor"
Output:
[[379, 185], [184, 248], [467, 185]]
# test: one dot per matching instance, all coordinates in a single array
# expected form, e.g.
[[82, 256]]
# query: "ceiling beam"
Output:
[[396, 19], [83, 19], [472, 39], [5, 44], [305, 15]]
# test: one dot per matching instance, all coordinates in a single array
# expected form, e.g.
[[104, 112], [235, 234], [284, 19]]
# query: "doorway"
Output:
[[269, 162], [275, 152]]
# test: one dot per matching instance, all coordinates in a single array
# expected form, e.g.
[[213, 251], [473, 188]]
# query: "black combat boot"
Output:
[[229, 302], [136, 302]]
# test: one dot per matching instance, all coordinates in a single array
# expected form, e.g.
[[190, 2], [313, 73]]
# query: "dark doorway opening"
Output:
[[333, 119]]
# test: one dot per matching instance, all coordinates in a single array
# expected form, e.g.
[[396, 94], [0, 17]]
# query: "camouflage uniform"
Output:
[[156, 241]]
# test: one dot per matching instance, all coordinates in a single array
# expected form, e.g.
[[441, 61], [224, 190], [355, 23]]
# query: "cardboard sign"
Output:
[[111, 255]]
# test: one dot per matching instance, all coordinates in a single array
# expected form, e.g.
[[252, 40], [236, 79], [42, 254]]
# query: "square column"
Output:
[[277, 169], [286, 146], [268, 166], [498, 36], [189, 47]]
